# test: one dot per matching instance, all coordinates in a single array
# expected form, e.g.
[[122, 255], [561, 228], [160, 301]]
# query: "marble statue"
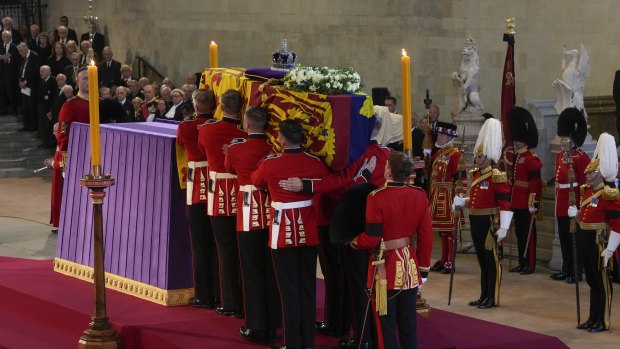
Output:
[[466, 79], [569, 89]]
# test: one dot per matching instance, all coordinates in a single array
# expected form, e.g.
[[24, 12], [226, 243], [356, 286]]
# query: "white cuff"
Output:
[[614, 241], [504, 219]]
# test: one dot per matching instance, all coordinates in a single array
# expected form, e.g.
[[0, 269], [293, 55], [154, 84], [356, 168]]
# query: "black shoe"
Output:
[[527, 271], [447, 271], [256, 336], [586, 325], [324, 328], [559, 276], [571, 279], [352, 343], [197, 303], [487, 303], [234, 313], [54, 230], [597, 327], [438, 266], [517, 269], [477, 302]]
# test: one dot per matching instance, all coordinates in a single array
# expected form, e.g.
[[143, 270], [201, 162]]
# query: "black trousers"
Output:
[[204, 253], [29, 109], [225, 231], [401, 317], [566, 245], [295, 269], [356, 270], [596, 277], [45, 127], [522, 219], [485, 244], [8, 90], [337, 312], [263, 310]]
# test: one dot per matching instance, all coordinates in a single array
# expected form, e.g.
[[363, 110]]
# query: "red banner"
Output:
[[508, 102]]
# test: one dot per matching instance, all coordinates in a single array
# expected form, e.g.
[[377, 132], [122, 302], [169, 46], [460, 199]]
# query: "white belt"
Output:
[[277, 215], [192, 165], [567, 185], [246, 206], [213, 176]]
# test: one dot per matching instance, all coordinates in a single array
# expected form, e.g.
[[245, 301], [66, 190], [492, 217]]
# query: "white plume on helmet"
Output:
[[608, 156], [490, 139]]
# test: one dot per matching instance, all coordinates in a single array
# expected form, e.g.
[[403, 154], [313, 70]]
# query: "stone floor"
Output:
[[533, 302]]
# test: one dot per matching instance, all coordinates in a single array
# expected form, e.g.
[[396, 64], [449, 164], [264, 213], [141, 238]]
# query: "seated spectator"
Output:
[[166, 94], [162, 109], [84, 49], [177, 100], [134, 89], [121, 97], [126, 75], [105, 93], [71, 47], [168, 82], [137, 106], [187, 110]]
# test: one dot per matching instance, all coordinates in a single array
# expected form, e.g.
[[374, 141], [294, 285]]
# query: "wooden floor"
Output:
[[532, 302]]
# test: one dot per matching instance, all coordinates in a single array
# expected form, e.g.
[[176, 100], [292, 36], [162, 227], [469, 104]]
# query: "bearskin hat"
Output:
[[522, 127], [571, 123], [349, 217]]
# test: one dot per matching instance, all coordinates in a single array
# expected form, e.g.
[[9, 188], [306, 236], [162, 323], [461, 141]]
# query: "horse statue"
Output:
[[466, 79]]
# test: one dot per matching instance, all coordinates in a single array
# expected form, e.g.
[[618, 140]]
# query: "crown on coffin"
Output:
[[283, 59]]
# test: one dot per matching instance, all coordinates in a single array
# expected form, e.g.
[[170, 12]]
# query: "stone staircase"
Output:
[[19, 154]]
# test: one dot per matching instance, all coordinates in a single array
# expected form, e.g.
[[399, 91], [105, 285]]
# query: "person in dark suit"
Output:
[[8, 75], [58, 59], [71, 34], [7, 24], [33, 38], [71, 70], [44, 48], [417, 138], [28, 76], [45, 101], [61, 96], [98, 39], [109, 69], [121, 97]]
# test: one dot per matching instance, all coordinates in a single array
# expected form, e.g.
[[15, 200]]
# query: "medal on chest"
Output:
[[484, 185], [594, 202]]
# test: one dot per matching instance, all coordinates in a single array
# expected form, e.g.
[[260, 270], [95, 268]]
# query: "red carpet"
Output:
[[43, 309]]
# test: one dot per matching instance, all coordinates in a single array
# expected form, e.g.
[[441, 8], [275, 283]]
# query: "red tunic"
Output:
[[393, 212], [445, 176], [242, 159], [563, 161], [293, 219], [489, 192], [187, 137], [223, 187], [74, 110], [527, 181], [597, 206]]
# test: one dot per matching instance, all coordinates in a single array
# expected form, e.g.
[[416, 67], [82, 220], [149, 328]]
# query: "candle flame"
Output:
[[92, 62], [404, 52], [212, 42]]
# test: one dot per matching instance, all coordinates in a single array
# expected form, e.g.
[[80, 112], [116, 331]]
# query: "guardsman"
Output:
[[597, 235], [56, 164], [526, 187], [489, 199], [222, 199], [570, 164], [447, 177], [74, 110], [342, 265], [293, 235], [204, 253], [263, 311], [396, 215]]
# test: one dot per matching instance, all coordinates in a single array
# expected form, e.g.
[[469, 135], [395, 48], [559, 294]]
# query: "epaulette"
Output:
[[582, 189], [610, 193], [238, 141], [211, 121], [499, 176], [374, 192], [70, 99], [415, 187], [272, 156]]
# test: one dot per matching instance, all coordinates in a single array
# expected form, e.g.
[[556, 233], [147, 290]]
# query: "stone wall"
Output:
[[365, 34]]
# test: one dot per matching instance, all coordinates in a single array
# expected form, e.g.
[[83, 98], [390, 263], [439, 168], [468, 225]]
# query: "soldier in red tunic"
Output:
[[526, 188], [293, 232], [206, 280], [448, 178], [222, 199], [395, 215], [263, 311], [489, 199], [73, 110], [569, 176], [599, 221]]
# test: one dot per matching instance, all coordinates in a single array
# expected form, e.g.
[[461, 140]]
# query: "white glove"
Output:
[[459, 201], [424, 280], [573, 211], [366, 169], [533, 210], [427, 152], [501, 234], [612, 245]]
